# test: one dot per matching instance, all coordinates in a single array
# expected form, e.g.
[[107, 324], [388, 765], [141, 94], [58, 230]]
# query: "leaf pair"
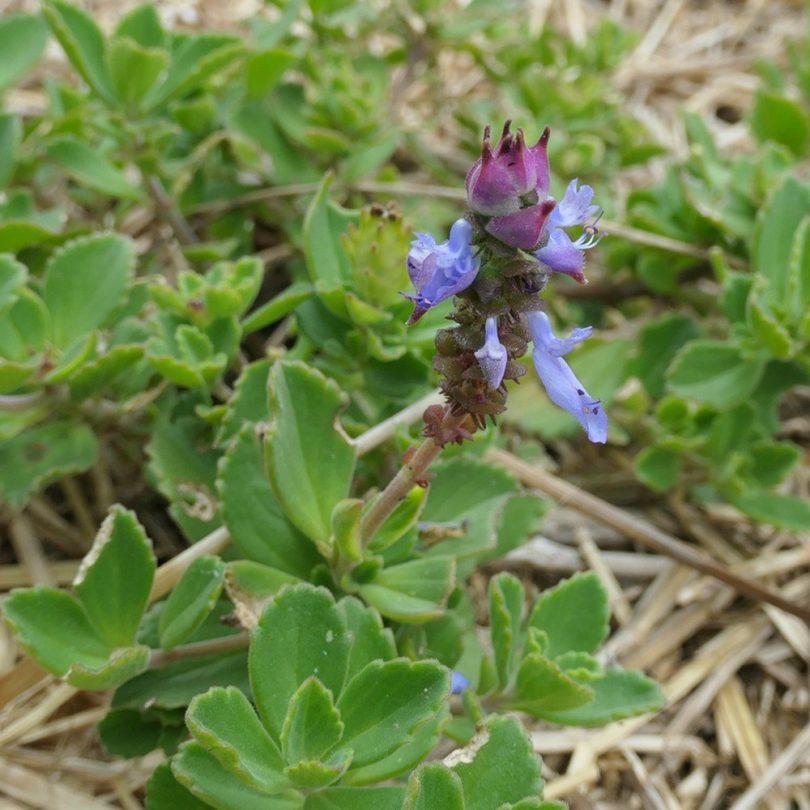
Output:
[[89, 639]]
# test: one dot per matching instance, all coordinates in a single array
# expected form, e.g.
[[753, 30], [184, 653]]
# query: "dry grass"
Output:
[[736, 728]]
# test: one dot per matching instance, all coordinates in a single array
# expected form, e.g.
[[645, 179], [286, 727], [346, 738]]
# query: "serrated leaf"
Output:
[[659, 342], [300, 634], [715, 372], [433, 786], [574, 615], [248, 402], [224, 722], [84, 283], [115, 578], [134, 70], [316, 774], [201, 773], [766, 329], [618, 694], [504, 767], [82, 42], [22, 40], [96, 374], [799, 274], [250, 586], [55, 645], [310, 461], [89, 168], [312, 727], [772, 461], [122, 665], [385, 702], [191, 600], [506, 600], [41, 454], [370, 640], [542, 687]]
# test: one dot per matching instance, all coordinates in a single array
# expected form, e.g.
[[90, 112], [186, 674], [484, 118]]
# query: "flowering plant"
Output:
[[496, 262]]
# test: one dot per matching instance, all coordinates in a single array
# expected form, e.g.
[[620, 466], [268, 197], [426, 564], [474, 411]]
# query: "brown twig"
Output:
[[160, 658], [641, 532], [170, 212]]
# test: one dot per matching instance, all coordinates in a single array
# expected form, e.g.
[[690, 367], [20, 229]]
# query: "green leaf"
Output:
[[89, 168], [356, 798], [122, 665], [164, 792], [265, 69], [98, 373], [385, 702], [249, 400], [142, 25], [13, 275], [191, 600], [542, 687], [253, 515], [130, 733], [715, 372], [42, 454], [785, 511], [175, 685], [658, 468], [765, 327], [310, 461], [55, 645], [316, 774], [777, 223], [772, 461], [134, 70], [504, 768], [203, 775], [659, 341], [370, 640], [506, 601], [434, 786], [327, 261], [82, 42], [799, 274], [467, 493], [10, 137], [313, 726], [777, 118], [400, 521], [345, 537], [115, 578], [251, 585], [618, 694], [277, 307], [300, 634], [84, 283], [224, 722], [574, 615], [194, 59], [413, 591], [22, 40]]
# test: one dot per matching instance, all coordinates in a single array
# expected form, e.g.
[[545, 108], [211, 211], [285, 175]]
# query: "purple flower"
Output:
[[510, 177], [524, 228], [440, 271], [560, 382], [560, 253], [492, 355], [458, 683]]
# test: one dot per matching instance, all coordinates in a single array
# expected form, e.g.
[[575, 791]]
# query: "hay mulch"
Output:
[[733, 664]]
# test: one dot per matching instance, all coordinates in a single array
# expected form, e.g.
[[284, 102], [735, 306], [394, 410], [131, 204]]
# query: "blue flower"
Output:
[[560, 382], [440, 271], [561, 254], [458, 683], [492, 355]]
